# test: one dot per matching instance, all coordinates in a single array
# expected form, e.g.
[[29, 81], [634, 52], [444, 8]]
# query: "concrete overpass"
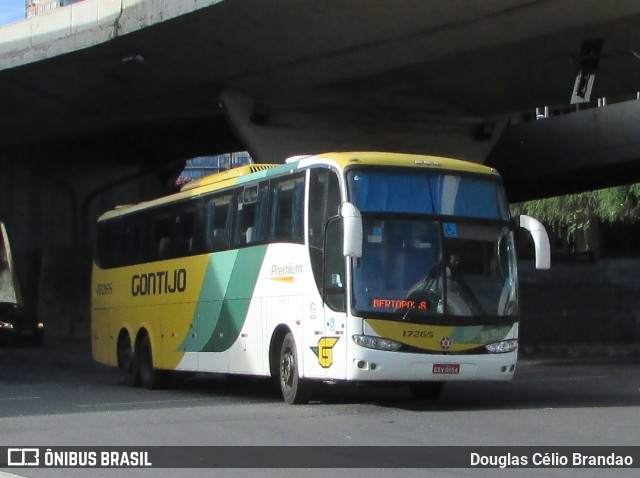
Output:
[[165, 78], [103, 100]]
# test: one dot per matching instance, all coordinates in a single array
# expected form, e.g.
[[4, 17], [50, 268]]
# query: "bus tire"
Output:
[[127, 361], [294, 389], [150, 377], [426, 390]]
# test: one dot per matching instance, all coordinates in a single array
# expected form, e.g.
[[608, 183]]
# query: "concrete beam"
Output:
[[275, 128], [579, 151]]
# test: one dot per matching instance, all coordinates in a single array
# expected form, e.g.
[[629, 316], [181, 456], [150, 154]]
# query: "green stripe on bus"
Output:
[[228, 285], [236, 301], [214, 288]]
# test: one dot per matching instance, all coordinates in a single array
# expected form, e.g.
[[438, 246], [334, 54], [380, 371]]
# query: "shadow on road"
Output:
[[65, 374]]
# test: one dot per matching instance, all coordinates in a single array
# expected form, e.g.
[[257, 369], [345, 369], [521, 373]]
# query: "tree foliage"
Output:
[[572, 213]]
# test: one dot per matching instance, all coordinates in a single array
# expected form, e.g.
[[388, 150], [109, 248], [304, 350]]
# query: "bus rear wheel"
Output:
[[127, 361], [150, 377], [294, 389]]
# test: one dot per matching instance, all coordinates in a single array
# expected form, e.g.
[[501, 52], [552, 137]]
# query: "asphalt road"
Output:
[[56, 396]]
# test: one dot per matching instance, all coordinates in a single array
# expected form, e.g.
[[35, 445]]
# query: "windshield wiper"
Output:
[[422, 285]]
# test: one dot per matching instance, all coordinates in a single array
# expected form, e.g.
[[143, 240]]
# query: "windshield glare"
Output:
[[480, 271], [397, 257], [419, 268]]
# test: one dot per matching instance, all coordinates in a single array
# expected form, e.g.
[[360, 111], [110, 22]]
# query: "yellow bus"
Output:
[[357, 266]]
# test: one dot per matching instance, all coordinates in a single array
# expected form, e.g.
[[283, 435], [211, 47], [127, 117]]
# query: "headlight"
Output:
[[377, 343], [5, 325], [503, 346]]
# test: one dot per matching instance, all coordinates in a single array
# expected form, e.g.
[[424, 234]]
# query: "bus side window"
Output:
[[260, 220], [218, 222], [287, 210], [163, 225], [251, 212], [186, 222], [132, 240]]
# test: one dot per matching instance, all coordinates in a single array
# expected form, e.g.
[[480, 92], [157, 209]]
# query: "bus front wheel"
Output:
[[294, 389]]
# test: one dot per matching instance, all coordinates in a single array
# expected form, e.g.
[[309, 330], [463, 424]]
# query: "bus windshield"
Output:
[[417, 265]]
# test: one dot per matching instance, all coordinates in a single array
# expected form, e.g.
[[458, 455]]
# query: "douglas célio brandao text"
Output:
[[532, 460]]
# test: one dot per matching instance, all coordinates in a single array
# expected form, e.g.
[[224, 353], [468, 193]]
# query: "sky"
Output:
[[11, 11]]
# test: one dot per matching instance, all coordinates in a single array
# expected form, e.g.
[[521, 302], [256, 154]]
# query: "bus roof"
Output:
[[226, 178], [250, 172], [345, 159]]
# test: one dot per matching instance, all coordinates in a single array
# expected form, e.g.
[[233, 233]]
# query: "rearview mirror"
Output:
[[540, 240], [352, 220]]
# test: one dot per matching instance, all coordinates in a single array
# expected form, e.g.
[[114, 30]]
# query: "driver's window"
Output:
[[334, 267]]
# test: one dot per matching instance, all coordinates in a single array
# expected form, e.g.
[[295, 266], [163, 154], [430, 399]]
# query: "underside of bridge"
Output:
[[104, 100]]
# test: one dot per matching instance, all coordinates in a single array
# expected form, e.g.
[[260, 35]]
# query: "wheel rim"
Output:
[[287, 368]]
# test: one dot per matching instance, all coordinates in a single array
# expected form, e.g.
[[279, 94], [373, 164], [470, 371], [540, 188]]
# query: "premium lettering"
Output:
[[161, 282], [278, 271]]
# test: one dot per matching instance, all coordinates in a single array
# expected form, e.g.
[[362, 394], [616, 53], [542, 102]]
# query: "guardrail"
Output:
[[38, 7]]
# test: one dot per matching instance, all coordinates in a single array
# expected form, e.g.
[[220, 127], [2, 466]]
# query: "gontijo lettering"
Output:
[[161, 282]]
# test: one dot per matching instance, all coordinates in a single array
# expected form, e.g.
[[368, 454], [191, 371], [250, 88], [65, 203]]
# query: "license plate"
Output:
[[446, 368]]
